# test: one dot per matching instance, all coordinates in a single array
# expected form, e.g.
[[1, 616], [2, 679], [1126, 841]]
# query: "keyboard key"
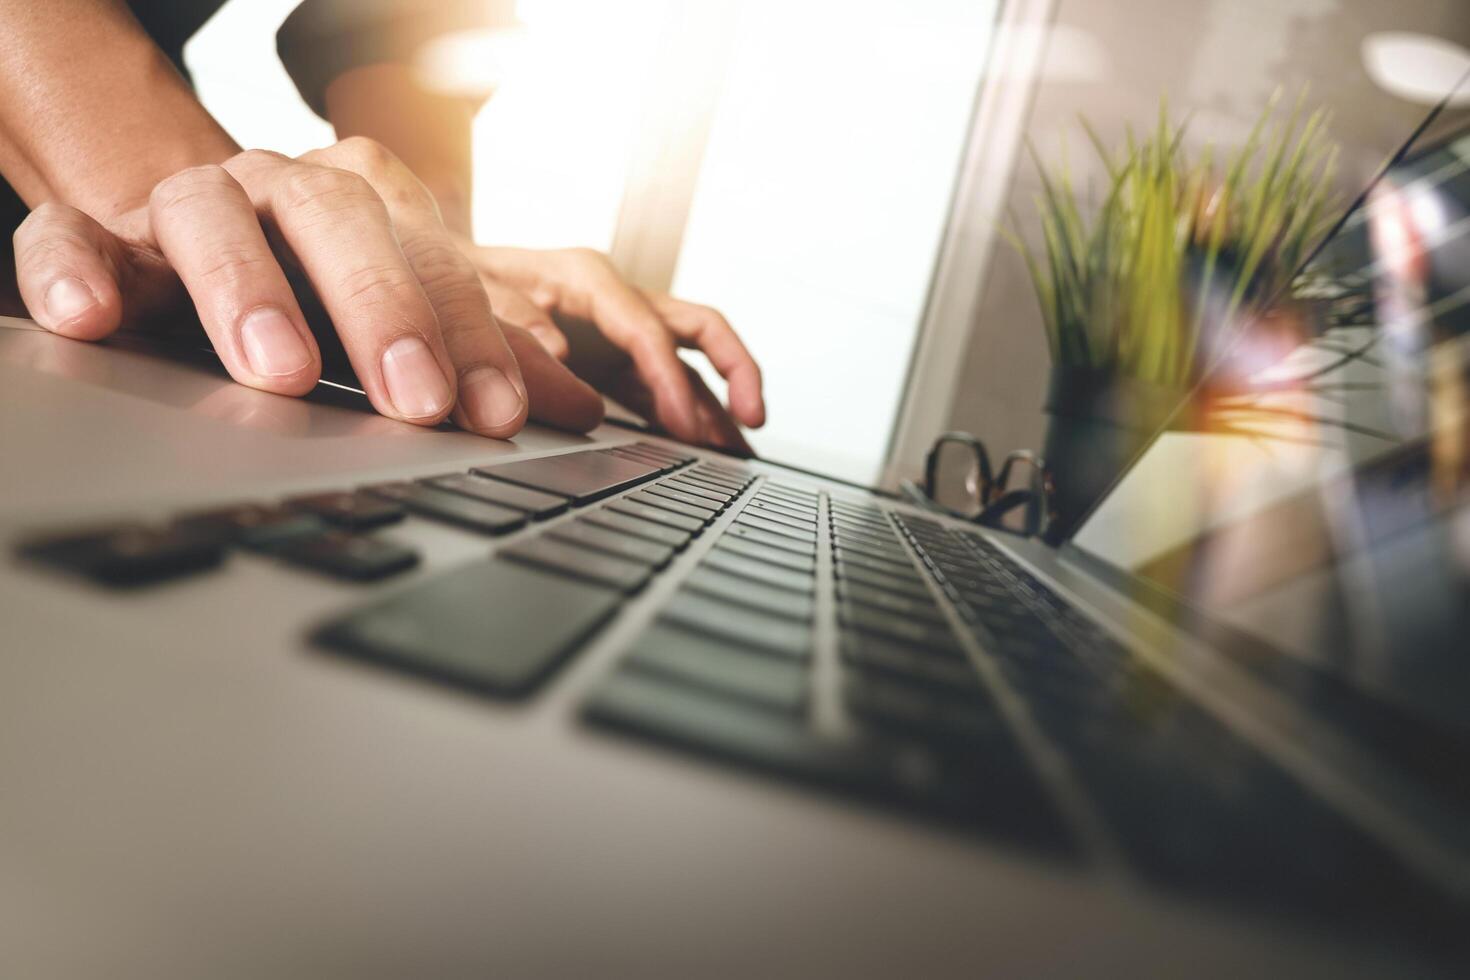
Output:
[[702, 514], [582, 476], [578, 562], [884, 566], [757, 595], [795, 492], [877, 535], [706, 507], [908, 585], [773, 522], [758, 505], [760, 571], [657, 515], [948, 670], [696, 488], [897, 562], [793, 561], [490, 625], [876, 528], [989, 792], [721, 668], [353, 511], [868, 511], [588, 535], [534, 503], [775, 527], [801, 507], [890, 603], [350, 556], [909, 632], [638, 528], [654, 449], [927, 713], [784, 542], [911, 584], [719, 482], [892, 556], [731, 472], [254, 526], [739, 625], [452, 508], [128, 555], [663, 465], [804, 505]]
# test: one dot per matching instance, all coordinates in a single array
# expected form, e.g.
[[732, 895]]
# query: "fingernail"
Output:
[[416, 383], [273, 346], [68, 298], [489, 399]]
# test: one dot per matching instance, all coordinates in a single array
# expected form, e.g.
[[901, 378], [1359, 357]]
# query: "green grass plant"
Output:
[[1183, 252]]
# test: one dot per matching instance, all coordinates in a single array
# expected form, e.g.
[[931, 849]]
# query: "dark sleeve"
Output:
[[324, 38]]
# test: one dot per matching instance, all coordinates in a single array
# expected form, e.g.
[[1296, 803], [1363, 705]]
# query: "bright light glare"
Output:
[[1417, 67], [551, 147], [470, 63]]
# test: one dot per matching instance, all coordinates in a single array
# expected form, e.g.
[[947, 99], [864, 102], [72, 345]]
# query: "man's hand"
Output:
[[407, 304], [551, 293]]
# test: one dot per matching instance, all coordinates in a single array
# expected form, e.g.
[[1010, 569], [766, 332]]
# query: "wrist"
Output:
[[133, 125]]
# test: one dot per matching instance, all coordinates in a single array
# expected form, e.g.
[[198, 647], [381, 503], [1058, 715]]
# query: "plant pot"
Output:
[[1099, 423]]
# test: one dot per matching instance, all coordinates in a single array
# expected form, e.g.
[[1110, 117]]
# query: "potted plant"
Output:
[[1143, 293]]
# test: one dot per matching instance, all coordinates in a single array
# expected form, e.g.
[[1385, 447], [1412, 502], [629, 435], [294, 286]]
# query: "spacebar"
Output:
[[493, 626]]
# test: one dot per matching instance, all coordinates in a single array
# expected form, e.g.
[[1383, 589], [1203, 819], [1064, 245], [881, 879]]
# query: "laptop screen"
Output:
[[1313, 502]]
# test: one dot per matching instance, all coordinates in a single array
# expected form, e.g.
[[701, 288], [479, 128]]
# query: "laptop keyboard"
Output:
[[815, 639]]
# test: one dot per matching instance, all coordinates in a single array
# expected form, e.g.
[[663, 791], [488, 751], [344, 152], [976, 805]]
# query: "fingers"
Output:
[[717, 428], [492, 394], [557, 396], [203, 222], [338, 228], [513, 308], [67, 268], [720, 430], [584, 285], [704, 328], [631, 323]]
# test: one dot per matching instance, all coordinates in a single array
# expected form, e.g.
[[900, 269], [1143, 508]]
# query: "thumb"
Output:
[[66, 265]]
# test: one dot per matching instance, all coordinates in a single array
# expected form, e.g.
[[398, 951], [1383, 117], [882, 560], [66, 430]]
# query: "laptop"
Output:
[[290, 689]]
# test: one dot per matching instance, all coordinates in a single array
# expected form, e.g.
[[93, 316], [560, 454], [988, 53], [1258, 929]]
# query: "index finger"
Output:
[[339, 230], [706, 329]]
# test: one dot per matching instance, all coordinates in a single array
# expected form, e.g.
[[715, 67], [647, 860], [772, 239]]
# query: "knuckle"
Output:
[[327, 189], [46, 252], [50, 213], [440, 265], [714, 318], [255, 158], [591, 258], [390, 178], [44, 224], [379, 285], [190, 187], [367, 153], [235, 265]]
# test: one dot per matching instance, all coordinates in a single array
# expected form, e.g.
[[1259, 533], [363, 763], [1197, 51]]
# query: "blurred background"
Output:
[[832, 175]]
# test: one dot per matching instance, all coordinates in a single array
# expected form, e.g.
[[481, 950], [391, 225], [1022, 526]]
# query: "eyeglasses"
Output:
[[960, 481]]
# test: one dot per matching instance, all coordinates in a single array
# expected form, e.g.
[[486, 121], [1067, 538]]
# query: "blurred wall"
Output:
[[1220, 60]]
